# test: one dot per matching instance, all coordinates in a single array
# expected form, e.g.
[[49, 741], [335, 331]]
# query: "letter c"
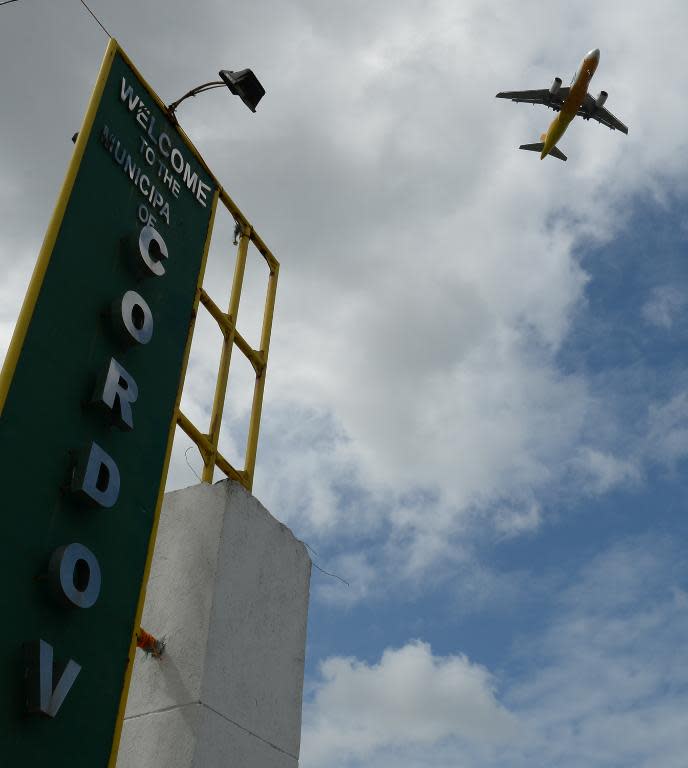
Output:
[[164, 137]]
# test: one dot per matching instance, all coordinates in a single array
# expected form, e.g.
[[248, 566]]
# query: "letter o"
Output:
[[75, 575], [137, 317], [177, 155]]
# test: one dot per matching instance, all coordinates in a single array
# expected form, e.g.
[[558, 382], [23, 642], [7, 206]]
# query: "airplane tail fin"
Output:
[[538, 148]]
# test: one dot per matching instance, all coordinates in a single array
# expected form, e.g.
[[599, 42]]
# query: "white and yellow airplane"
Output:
[[568, 102]]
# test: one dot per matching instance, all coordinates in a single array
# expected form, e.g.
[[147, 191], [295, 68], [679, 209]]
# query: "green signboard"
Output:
[[88, 398]]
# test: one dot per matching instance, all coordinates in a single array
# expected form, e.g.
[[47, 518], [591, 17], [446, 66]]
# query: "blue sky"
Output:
[[627, 543], [605, 552], [477, 403]]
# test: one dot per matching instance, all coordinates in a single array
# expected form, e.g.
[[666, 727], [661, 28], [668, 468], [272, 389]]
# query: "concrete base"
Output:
[[229, 591]]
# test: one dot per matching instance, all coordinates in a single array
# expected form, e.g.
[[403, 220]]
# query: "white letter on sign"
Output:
[[41, 697], [74, 574], [133, 318], [97, 477], [153, 251], [118, 385]]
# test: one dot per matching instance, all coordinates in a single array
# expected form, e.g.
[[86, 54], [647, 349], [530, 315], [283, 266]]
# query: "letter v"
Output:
[[41, 696]]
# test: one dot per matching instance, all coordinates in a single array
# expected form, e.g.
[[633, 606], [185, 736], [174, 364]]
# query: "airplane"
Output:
[[568, 102]]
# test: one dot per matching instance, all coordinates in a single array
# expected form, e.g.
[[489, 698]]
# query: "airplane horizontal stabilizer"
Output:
[[538, 148], [557, 153]]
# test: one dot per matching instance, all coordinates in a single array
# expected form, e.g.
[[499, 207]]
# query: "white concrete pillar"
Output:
[[229, 591]]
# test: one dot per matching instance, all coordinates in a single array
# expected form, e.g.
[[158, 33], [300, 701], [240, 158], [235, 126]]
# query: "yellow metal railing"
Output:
[[207, 443]]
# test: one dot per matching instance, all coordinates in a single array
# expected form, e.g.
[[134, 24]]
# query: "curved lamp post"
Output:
[[243, 84]]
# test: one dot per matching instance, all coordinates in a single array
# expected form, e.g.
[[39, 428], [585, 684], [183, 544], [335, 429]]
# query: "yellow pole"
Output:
[[225, 358], [259, 388], [161, 491]]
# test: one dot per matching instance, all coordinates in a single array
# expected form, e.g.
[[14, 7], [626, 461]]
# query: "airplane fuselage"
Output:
[[572, 103]]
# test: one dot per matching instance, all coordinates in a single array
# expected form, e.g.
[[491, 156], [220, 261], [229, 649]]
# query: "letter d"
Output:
[[96, 476]]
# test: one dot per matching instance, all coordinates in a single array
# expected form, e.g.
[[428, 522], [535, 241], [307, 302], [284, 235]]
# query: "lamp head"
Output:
[[245, 85]]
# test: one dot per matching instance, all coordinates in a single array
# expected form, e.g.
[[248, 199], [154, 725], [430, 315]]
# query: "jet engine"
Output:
[[556, 85], [602, 97]]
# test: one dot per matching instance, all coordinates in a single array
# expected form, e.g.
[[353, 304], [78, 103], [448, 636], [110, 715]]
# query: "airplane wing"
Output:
[[542, 96], [590, 110]]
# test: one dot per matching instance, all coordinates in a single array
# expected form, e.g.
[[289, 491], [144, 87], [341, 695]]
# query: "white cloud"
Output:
[[429, 278], [611, 687], [668, 430], [602, 471], [410, 698], [421, 309], [666, 302], [604, 684], [510, 522], [428, 275]]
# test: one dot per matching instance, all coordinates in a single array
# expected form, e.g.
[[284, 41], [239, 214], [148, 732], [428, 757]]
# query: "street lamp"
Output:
[[243, 84]]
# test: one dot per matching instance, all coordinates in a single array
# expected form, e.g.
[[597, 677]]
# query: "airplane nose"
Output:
[[595, 54]]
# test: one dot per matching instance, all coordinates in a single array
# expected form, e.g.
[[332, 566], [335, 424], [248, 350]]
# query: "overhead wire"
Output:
[[188, 463], [322, 570], [100, 24]]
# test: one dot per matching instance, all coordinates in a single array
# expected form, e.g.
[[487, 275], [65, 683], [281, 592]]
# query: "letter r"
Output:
[[117, 386]]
